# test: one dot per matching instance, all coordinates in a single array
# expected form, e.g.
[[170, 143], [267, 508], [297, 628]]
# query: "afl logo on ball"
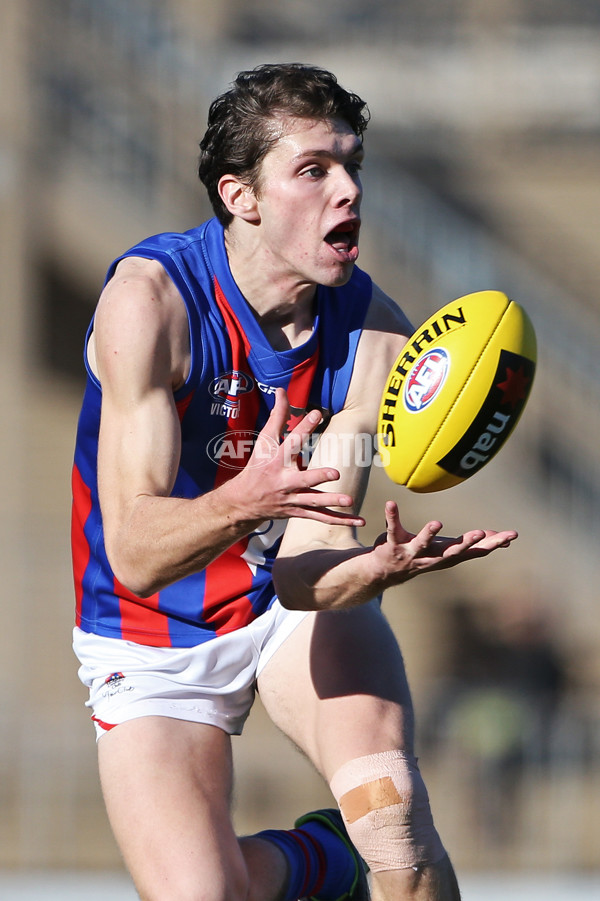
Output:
[[425, 379]]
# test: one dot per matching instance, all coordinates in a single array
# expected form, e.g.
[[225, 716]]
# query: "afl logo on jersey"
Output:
[[227, 389], [426, 379]]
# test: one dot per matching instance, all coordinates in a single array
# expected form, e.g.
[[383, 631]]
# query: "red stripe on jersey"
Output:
[[82, 506], [140, 618], [229, 576], [249, 408], [183, 404], [227, 579], [300, 384], [234, 326]]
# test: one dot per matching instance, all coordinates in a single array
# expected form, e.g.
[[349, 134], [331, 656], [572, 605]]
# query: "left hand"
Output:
[[403, 554]]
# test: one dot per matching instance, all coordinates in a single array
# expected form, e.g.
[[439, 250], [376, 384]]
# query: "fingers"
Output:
[[397, 534], [312, 498], [279, 415], [316, 505], [423, 540], [454, 547], [295, 490], [311, 503], [292, 445], [327, 516], [478, 543], [310, 478], [406, 554]]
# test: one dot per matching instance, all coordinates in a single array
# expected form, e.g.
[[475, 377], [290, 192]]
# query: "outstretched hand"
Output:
[[276, 486], [403, 555]]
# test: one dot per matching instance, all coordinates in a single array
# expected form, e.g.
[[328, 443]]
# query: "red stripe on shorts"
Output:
[[106, 726]]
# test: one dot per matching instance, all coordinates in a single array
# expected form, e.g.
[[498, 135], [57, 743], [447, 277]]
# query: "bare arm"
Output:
[[140, 354], [321, 565]]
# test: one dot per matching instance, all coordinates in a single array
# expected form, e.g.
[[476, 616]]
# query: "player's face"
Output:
[[309, 196]]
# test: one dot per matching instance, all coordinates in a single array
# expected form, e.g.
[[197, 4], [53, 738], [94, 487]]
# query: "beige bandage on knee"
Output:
[[385, 807]]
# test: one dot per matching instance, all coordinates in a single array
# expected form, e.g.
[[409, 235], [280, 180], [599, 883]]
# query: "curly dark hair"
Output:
[[238, 135]]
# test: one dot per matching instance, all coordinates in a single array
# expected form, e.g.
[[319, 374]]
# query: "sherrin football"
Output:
[[456, 391]]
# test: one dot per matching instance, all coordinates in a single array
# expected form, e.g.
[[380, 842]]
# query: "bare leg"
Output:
[[338, 689], [434, 883], [167, 786]]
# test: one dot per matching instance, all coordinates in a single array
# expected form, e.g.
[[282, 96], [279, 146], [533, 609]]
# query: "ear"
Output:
[[239, 199]]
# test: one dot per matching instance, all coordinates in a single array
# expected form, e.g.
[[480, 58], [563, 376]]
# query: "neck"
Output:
[[283, 305]]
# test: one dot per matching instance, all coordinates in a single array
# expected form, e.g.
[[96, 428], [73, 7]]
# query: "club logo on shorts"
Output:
[[115, 685], [425, 379]]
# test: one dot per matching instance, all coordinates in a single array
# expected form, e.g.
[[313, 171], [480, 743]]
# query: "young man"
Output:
[[213, 357]]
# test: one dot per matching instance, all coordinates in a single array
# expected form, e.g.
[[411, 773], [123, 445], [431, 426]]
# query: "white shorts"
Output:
[[213, 682]]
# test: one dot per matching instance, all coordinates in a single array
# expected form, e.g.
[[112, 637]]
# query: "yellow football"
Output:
[[456, 391]]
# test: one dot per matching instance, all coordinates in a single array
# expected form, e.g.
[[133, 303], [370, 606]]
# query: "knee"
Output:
[[385, 806]]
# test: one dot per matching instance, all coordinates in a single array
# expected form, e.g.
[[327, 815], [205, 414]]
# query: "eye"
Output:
[[313, 172], [354, 167]]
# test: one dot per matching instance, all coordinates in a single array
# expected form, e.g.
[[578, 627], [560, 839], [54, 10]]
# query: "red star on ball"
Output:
[[515, 387]]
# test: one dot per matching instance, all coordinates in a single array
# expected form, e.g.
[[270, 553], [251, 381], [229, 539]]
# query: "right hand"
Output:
[[274, 486]]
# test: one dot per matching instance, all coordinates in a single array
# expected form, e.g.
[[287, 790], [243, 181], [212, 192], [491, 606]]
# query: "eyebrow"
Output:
[[357, 150]]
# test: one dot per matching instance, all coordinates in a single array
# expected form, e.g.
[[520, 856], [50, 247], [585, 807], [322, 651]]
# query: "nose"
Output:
[[348, 188]]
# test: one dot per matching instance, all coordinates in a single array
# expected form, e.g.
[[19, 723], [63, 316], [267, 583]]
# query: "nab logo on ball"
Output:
[[425, 380], [498, 414], [491, 344]]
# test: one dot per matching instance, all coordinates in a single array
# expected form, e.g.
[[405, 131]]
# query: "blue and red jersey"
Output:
[[224, 402]]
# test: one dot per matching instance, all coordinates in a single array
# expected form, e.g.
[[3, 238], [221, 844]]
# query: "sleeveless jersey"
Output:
[[224, 403]]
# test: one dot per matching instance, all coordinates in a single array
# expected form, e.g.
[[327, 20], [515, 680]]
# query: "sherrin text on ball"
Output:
[[456, 392]]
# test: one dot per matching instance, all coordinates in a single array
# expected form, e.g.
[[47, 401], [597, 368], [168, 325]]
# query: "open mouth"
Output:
[[344, 238]]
